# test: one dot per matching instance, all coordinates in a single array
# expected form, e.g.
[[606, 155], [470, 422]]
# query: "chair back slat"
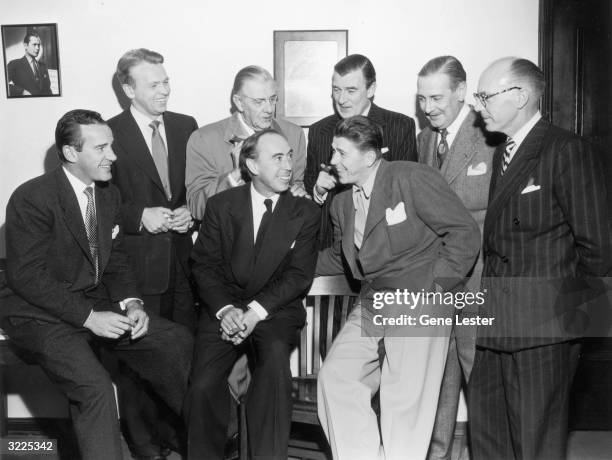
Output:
[[331, 298]]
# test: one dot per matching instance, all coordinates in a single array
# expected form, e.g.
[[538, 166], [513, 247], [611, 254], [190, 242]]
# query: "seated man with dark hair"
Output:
[[253, 262], [70, 287]]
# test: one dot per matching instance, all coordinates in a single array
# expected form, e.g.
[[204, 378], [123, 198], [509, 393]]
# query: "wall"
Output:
[[206, 42]]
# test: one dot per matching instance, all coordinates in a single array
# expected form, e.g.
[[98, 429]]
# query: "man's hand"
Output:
[[181, 220], [232, 321], [325, 182], [299, 190], [156, 220], [139, 318], [250, 320], [108, 324]]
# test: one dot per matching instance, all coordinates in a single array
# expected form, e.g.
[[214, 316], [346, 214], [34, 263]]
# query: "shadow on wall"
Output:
[[421, 120], [122, 99], [51, 160]]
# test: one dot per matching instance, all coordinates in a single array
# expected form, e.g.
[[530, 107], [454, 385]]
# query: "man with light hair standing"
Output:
[[455, 144], [547, 233], [213, 150]]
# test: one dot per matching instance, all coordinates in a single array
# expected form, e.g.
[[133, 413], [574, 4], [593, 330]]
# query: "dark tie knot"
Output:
[[268, 204], [155, 125], [510, 143], [443, 133]]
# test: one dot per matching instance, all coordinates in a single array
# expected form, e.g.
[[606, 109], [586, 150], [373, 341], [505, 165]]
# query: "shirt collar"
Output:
[[258, 199], [366, 111], [142, 120], [453, 128], [250, 131], [521, 134], [368, 186], [77, 184]]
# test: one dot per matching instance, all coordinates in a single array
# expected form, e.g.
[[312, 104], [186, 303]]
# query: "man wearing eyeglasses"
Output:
[[213, 150], [456, 145], [547, 237]]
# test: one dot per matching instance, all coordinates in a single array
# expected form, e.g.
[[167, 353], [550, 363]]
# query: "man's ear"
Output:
[[252, 165], [70, 153], [237, 102], [370, 157], [128, 90], [522, 97], [371, 90], [461, 89]]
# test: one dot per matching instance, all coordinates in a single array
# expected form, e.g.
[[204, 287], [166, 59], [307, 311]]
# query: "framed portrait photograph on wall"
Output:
[[303, 63], [31, 60]]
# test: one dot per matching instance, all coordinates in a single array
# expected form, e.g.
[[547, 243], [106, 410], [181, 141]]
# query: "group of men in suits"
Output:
[[110, 231]]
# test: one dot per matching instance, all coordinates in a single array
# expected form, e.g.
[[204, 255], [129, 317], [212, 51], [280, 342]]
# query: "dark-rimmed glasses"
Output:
[[262, 100], [484, 97]]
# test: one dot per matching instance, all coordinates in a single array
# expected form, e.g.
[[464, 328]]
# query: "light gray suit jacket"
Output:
[[467, 170], [209, 158]]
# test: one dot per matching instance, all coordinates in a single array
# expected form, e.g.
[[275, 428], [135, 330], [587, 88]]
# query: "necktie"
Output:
[[263, 226], [442, 149], [160, 157], [36, 70], [510, 144], [91, 227], [360, 216]]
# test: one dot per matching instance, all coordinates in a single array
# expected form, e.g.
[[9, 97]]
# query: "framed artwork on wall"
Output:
[[303, 63], [31, 60]]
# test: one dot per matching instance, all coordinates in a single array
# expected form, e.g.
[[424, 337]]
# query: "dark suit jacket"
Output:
[[50, 271], [398, 137], [224, 266], [547, 228], [467, 170], [22, 77], [437, 241], [135, 174]]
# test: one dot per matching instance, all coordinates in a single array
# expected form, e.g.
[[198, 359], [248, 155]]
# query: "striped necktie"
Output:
[[442, 148], [508, 149], [91, 227]]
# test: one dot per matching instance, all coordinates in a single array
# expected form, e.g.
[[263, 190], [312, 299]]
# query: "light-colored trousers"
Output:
[[409, 382]]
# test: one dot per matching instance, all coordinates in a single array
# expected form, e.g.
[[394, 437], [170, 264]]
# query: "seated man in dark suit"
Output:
[[253, 262], [27, 76], [69, 287], [353, 88]]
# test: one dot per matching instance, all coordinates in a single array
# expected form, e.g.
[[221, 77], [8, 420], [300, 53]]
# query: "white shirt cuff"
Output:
[[257, 308], [319, 199], [219, 313], [124, 302]]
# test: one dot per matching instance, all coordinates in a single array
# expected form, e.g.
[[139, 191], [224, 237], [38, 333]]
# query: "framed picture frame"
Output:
[[303, 63], [31, 60]]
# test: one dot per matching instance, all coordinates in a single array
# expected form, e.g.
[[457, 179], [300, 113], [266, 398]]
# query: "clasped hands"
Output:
[[237, 325], [160, 219], [113, 325]]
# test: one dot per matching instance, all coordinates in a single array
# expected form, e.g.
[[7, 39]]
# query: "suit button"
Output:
[[516, 221]]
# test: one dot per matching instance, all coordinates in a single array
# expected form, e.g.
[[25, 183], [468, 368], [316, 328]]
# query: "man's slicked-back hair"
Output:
[[68, 129], [448, 65], [249, 150], [28, 36], [357, 62], [524, 70], [133, 58], [363, 132], [250, 72]]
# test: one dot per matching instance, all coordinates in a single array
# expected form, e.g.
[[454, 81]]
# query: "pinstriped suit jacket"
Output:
[[398, 137], [547, 228]]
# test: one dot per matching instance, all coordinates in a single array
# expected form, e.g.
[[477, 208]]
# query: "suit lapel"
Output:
[[106, 222], [348, 230], [379, 201], [176, 161], [136, 147], [463, 149], [72, 213], [524, 161], [241, 215]]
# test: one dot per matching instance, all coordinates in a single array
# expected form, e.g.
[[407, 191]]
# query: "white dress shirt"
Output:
[[143, 121], [521, 134]]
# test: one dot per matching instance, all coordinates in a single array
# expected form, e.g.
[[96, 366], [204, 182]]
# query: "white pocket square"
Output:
[[477, 170], [292, 245], [530, 188], [115, 232], [396, 215]]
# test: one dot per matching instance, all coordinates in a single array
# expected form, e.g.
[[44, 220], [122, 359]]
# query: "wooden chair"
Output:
[[329, 301]]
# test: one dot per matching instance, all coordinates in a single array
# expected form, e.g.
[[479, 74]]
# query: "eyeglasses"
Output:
[[259, 102], [484, 97]]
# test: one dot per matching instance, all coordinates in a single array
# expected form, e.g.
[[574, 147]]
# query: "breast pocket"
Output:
[[401, 236]]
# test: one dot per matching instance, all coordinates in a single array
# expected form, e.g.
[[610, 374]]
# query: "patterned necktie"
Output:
[[160, 157], [91, 227], [510, 144], [442, 149], [360, 216], [263, 226]]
